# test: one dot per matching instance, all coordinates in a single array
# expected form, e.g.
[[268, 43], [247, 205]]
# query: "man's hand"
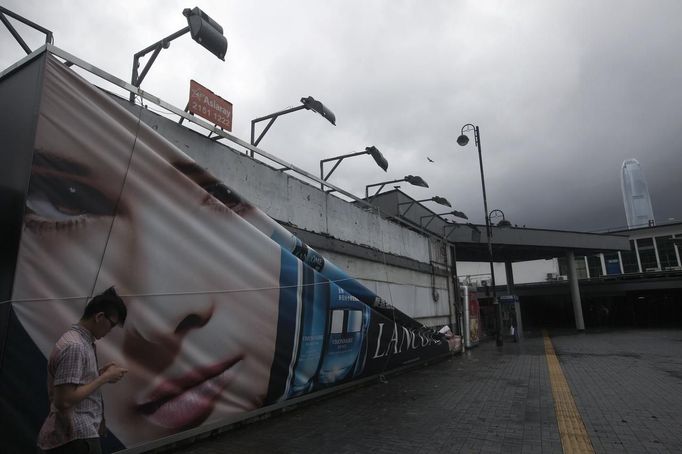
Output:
[[106, 366], [68, 395], [113, 372]]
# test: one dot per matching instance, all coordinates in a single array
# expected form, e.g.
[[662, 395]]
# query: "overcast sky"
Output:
[[563, 91]]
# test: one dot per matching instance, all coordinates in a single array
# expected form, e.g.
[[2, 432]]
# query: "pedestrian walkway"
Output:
[[626, 386]]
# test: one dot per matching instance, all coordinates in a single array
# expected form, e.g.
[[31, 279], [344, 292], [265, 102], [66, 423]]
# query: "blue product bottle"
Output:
[[314, 297], [346, 342]]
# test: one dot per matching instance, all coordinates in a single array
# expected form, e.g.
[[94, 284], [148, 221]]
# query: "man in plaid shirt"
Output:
[[76, 418]]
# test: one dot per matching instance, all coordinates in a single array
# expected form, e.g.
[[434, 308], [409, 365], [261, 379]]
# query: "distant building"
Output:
[[638, 209]]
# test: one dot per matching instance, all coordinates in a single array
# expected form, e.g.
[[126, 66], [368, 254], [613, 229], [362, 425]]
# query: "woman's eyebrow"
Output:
[[195, 173], [53, 162]]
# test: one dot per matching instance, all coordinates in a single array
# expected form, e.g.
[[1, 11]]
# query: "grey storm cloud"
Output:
[[563, 91]]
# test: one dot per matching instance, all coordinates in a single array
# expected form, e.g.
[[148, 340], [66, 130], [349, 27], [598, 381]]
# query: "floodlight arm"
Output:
[[308, 103], [431, 217], [376, 154], [156, 47], [412, 179], [409, 205], [381, 186], [48, 34], [272, 117], [202, 28], [452, 227], [437, 199], [338, 160]]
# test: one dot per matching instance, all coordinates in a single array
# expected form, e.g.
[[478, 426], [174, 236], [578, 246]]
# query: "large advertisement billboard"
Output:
[[227, 311]]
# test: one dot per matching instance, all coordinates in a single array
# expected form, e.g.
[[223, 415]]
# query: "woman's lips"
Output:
[[188, 400]]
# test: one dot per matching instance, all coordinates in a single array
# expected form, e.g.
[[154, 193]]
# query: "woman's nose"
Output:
[[155, 340], [192, 321]]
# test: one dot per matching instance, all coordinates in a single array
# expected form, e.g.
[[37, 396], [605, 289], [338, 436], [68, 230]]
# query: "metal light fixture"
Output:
[[475, 232], [412, 179], [203, 30], [462, 140], [311, 103], [372, 151], [416, 181], [206, 32], [431, 217], [308, 103], [459, 214], [496, 214], [439, 200]]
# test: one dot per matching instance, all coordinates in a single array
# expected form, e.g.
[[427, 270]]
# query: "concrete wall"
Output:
[[423, 296], [287, 198]]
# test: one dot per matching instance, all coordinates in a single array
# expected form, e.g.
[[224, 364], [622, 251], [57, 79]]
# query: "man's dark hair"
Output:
[[108, 302]]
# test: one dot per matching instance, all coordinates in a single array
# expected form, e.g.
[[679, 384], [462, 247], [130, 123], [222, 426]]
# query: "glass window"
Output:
[[612, 262], [630, 264], [594, 264], [647, 254], [666, 251]]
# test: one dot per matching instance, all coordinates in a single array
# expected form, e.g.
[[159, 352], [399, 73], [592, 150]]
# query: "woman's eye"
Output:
[[61, 199], [223, 194]]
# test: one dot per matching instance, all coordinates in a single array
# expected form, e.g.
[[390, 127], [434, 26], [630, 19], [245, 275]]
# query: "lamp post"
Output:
[[373, 151], [308, 103], [204, 31], [462, 140], [412, 179]]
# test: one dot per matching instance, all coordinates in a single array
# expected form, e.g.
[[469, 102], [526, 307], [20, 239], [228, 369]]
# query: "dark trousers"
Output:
[[80, 446]]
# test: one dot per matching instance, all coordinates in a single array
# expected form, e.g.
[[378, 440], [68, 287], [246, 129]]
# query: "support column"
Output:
[[510, 291], [452, 300], [456, 302], [575, 291]]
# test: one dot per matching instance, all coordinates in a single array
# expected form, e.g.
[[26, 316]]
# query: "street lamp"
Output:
[[204, 31], [308, 103], [412, 179], [373, 151], [497, 214], [462, 140], [439, 200], [431, 217]]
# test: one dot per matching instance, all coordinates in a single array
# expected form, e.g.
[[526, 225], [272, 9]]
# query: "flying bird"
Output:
[[430, 160]]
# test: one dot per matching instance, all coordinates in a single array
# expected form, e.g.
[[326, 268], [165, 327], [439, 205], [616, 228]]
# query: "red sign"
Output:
[[208, 105]]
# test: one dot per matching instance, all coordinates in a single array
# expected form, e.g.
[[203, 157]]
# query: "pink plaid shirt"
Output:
[[72, 361]]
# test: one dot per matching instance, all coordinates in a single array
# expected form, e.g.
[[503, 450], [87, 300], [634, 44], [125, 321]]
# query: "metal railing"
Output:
[[72, 60], [75, 61]]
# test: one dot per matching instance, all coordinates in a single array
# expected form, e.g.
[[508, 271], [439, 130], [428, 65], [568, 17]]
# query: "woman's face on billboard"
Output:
[[200, 284]]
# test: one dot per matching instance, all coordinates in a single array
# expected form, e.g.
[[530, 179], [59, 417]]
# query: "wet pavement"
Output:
[[627, 387]]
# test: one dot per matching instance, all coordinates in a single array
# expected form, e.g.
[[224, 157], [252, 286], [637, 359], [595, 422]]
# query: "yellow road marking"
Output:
[[574, 437]]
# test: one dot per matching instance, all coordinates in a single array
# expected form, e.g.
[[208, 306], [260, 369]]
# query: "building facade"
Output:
[[638, 208]]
